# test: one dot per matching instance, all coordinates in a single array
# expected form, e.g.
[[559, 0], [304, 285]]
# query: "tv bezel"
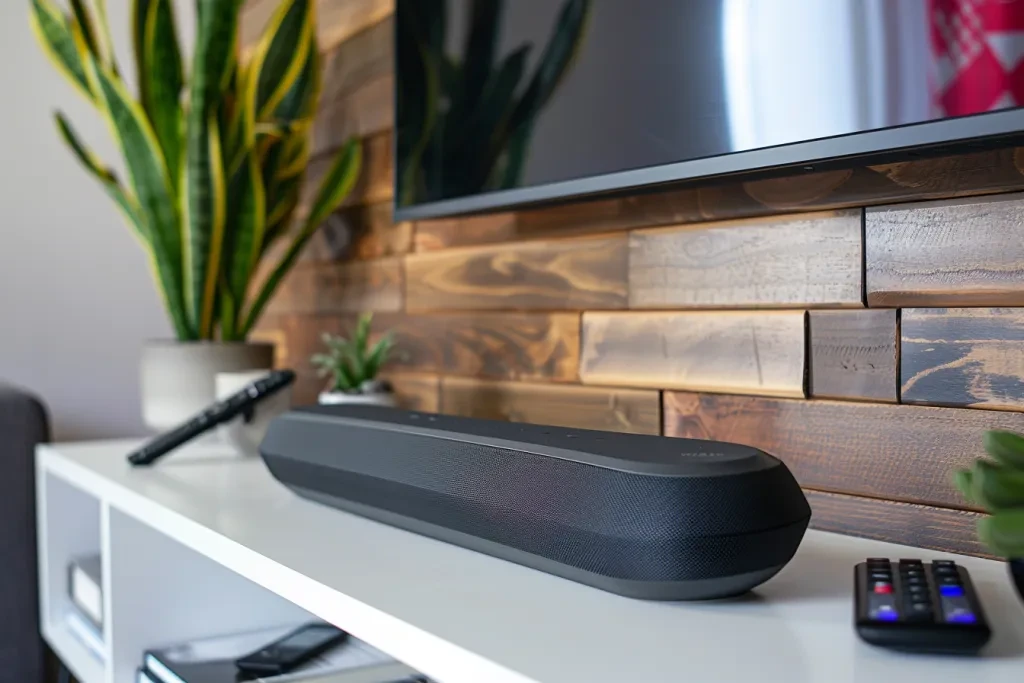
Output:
[[894, 143]]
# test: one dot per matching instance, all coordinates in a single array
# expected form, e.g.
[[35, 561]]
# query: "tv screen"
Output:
[[506, 103]]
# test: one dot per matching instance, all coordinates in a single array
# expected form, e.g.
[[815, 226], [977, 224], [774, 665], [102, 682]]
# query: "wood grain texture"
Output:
[[337, 20], [453, 232], [899, 452], [416, 391], [737, 352], [634, 411], [543, 275], [791, 261], [952, 253], [1000, 170], [375, 182], [355, 287], [963, 357], [360, 233], [518, 346], [923, 526], [853, 354], [363, 58], [365, 111]]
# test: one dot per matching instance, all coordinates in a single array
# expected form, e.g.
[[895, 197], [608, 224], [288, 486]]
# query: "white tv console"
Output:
[[207, 542]]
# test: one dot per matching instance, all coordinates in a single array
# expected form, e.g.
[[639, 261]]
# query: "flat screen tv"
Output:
[[517, 102]]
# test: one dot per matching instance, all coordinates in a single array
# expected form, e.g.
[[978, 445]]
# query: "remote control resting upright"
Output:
[[642, 516]]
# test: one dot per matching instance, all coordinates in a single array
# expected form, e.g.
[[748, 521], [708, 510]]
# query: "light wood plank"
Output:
[[360, 233], [738, 352], [854, 354], [366, 111], [967, 252], [963, 357], [951, 531], [354, 287], [619, 410], [443, 233], [790, 261], [547, 275], [416, 391], [899, 452]]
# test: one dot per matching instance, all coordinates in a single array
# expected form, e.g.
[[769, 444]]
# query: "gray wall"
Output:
[[76, 297]]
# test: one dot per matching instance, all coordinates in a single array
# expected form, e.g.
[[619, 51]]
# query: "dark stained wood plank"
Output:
[[375, 181], [518, 346], [415, 391], [853, 354], [466, 230], [750, 352], [967, 252], [899, 452], [633, 411], [337, 20], [923, 526], [353, 287], [963, 357], [790, 261], [543, 275], [360, 233]]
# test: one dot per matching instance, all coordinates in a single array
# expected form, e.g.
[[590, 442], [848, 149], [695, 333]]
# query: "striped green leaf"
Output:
[[281, 55], [337, 184], [140, 12], [248, 219], [54, 34], [106, 43], [80, 14], [299, 103], [163, 72], [153, 189]]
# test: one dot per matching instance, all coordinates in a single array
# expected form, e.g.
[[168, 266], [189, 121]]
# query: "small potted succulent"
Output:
[[352, 366], [998, 486]]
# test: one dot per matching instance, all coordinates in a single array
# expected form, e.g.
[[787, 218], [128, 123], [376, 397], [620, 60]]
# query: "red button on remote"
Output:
[[883, 588]]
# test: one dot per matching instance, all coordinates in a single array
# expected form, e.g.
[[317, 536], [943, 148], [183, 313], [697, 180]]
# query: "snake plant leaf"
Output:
[[246, 225], [140, 12], [964, 481], [54, 34], [147, 172], [205, 214], [105, 42], [299, 103], [164, 74], [995, 487], [80, 14], [1006, 447], [281, 55], [379, 354], [337, 184], [478, 54], [486, 127], [1003, 532]]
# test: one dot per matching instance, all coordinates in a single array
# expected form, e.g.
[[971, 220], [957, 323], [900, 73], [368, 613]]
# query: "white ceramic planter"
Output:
[[333, 398], [178, 378]]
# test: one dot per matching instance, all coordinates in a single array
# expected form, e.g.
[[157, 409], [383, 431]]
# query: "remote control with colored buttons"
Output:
[[914, 606]]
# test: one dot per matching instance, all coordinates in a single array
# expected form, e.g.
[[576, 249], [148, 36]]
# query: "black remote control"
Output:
[[918, 607]]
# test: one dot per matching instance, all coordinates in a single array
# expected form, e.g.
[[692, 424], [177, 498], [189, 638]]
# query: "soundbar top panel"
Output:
[[641, 454]]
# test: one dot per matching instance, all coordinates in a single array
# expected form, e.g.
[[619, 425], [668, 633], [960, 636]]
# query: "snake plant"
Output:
[[998, 486], [469, 119], [352, 363], [215, 155]]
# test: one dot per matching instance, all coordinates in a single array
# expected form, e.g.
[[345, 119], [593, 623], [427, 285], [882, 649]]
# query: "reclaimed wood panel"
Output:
[[337, 20], [364, 58], [853, 354], [360, 233], [444, 233], [366, 111], [900, 452], [953, 253], [791, 261], [416, 391], [634, 411], [963, 357], [519, 346], [353, 287], [375, 182], [978, 173], [923, 526], [737, 352], [544, 275]]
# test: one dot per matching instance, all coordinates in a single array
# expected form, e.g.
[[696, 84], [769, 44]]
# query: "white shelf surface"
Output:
[[464, 617], [76, 656]]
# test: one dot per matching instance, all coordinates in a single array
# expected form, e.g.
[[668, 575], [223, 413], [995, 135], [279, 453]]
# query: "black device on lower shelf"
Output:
[[642, 516]]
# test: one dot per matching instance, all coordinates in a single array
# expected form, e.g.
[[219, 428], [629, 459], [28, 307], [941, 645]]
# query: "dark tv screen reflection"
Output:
[[500, 104]]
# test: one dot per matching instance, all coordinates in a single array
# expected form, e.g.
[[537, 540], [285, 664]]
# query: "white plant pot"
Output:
[[334, 398], [178, 379]]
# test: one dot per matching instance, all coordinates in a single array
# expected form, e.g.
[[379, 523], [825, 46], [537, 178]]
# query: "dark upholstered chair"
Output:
[[23, 424]]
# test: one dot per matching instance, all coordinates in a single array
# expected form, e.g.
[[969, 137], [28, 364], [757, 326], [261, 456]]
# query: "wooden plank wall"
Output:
[[865, 325]]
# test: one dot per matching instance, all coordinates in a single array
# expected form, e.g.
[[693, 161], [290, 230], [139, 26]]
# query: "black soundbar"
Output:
[[642, 516]]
